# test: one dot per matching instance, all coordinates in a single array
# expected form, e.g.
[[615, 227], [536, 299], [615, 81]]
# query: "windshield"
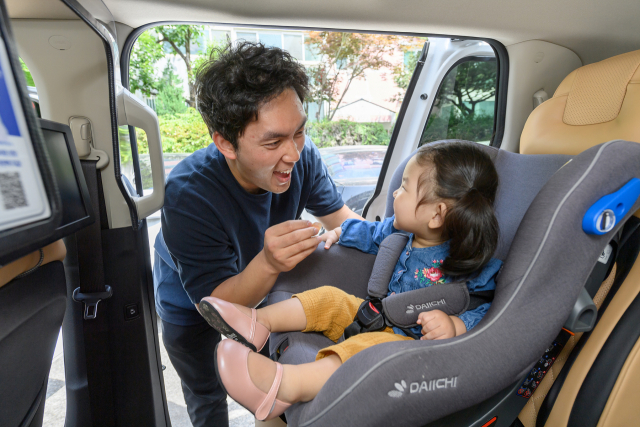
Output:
[[354, 165]]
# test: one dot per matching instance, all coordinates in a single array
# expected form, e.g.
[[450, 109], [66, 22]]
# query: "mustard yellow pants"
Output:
[[330, 310]]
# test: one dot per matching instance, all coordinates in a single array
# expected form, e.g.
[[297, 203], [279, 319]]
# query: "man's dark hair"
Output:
[[238, 79]]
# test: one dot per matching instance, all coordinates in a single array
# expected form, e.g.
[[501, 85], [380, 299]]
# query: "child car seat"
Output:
[[546, 267], [547, 263]]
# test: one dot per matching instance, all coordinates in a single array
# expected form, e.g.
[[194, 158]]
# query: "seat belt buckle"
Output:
[[91, 301], [370, 315]]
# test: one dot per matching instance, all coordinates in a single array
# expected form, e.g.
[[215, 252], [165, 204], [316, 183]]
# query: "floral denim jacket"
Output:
[[417, 267]]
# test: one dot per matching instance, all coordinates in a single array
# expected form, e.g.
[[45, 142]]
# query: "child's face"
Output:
[[426, 222]]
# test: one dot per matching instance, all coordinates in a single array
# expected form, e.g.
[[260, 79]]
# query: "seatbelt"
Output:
[[92, 293], [370, 316]]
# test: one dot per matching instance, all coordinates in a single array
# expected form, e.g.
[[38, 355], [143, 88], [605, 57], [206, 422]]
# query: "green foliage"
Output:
[[181, 40], [211, 53], [186, 133], [125, 145], [402, 74], [146, 52], [170, 100], [477, 128], [344, 132], [474, 82], [27, 74], [180, 133]]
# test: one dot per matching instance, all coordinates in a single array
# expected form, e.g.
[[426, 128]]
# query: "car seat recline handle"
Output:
[[604, 214], [133, 112]]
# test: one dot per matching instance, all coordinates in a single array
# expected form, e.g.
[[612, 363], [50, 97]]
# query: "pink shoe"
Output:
[[232, 323], [233, 375]]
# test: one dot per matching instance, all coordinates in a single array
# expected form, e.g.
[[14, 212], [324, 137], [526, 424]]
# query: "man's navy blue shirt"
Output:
[[212, 227]]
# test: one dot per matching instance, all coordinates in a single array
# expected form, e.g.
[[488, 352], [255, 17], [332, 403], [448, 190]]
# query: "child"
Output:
[[445, 202]]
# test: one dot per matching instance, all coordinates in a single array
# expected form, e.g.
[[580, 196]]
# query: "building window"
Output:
[[250, 37], [293, 45]]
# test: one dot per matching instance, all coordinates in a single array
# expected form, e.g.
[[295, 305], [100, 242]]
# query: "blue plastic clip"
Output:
[[604, 214]]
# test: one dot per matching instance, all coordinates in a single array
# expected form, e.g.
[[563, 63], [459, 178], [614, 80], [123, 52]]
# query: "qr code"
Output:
[[12, 191]]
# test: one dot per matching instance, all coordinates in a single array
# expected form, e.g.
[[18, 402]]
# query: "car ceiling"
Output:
[[594, 29]]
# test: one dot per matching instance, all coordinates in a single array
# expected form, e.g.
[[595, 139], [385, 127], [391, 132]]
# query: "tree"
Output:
[[170, 99], [211, 53], [344, 58], [181, 39], [475, 82], [402, 72], [146, 52]]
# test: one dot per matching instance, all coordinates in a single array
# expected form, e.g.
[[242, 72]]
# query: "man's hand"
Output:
[[331, 237], [436, 325], [288, 243]]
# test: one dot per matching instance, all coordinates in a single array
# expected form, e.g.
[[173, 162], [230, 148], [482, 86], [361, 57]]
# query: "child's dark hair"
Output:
[[465, 179]]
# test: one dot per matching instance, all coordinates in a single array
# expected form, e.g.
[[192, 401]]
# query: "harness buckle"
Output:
[[369, 318]]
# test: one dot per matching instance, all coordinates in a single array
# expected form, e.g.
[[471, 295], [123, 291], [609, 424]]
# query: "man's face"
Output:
[[271, 145]]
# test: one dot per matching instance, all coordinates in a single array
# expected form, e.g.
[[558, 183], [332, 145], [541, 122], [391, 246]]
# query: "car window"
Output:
[[357, 83], [465, 103], [354, 165]]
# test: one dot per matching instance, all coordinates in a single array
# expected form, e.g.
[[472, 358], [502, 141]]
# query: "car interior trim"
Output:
[[88, 19]]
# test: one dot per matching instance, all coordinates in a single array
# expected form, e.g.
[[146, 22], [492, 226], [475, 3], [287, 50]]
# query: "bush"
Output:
[[186, 133], [478, 128], [344, 132], [180, 133], [170, 99]]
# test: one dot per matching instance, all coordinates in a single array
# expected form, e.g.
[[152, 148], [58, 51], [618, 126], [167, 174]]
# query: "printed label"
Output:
[[606, 253], [23, 198]]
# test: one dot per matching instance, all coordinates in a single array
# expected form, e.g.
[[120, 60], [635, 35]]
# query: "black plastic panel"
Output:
[[32, 311], [137, 381]]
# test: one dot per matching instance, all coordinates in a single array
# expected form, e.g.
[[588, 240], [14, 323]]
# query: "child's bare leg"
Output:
[[300, 383], [284, 316]]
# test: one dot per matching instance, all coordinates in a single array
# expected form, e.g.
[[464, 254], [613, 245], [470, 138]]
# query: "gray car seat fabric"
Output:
[[550, 258]]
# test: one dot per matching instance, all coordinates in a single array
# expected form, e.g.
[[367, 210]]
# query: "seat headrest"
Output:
[[596, 103]]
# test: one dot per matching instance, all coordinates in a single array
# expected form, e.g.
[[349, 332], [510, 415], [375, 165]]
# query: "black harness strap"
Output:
[[477, 298], [92, 293]]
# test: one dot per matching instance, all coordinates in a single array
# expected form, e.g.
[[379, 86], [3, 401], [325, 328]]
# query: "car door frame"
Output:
[[433, 66]]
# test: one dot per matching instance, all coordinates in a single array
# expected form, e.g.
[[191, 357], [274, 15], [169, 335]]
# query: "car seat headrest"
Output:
[[521, 177], [596, 103]]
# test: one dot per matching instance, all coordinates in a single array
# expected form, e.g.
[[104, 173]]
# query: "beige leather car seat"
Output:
[[594, 104]]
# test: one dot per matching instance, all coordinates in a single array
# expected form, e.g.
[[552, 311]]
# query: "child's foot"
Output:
[[235, 322], [262, 372], [259, 316], [233, 369]]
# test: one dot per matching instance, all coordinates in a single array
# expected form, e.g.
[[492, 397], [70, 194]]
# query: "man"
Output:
[[228, 222]]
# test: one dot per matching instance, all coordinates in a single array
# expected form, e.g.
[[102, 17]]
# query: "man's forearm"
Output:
[[249, 287]]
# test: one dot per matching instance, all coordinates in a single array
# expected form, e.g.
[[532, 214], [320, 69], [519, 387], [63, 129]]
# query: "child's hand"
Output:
[[331, 237], [436, 325]]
